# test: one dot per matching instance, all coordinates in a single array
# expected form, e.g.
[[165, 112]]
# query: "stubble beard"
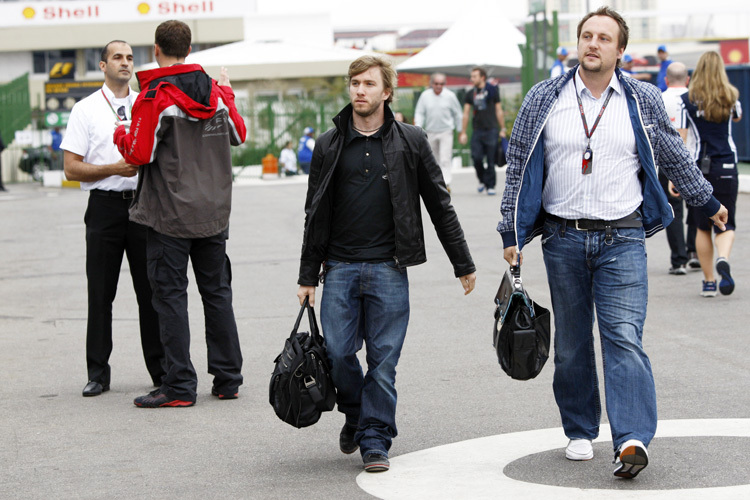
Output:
[[369, 111]]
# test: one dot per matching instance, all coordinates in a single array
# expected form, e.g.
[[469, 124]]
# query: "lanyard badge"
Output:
[[588, 161]]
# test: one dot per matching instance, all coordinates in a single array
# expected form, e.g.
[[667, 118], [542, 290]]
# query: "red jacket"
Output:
[[182, 127]]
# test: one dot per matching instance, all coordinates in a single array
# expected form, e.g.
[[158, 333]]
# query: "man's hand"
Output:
[[463, 138], [512, 257], [124, 169], [306, 291], [672, 190], [721, 217], [224, 78], [468, 282]]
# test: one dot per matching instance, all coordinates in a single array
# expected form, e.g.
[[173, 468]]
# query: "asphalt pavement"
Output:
[[455, 407]]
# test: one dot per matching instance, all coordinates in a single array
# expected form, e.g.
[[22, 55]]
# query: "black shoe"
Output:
[[157, 399], [347, 444], [376, 461], [225, 395], [94, 389]]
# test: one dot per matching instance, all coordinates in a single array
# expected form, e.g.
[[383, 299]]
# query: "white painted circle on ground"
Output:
[[474, 468]]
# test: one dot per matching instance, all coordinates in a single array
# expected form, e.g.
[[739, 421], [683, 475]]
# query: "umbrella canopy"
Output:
[[483, 37]]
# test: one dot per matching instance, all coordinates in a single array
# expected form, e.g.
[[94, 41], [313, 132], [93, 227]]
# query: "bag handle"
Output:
[[515, 271], [314, 331]]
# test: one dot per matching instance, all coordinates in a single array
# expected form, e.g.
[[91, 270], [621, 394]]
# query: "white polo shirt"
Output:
[[89, 133], [678, 116], [612, 190]]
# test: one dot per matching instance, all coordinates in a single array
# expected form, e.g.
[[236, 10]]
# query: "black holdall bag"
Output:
[[301, 387], [522, 329]]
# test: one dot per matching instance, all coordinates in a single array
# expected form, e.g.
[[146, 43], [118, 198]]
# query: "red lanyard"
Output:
[[119, 118], [583, 116]]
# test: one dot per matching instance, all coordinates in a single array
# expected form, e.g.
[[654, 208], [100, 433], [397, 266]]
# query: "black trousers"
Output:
[[167, 271], [676, 233], [484, 144], [109, 234]]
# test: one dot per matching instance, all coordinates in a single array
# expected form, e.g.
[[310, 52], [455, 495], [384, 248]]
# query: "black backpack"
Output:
[[301, 387]]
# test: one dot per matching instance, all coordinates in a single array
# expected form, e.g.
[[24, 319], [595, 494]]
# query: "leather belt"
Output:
[[125, 195], [629, 221]]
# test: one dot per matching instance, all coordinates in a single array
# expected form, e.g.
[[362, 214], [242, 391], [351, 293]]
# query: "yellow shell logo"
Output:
[[144, 8], [735, 56], [29, 13]]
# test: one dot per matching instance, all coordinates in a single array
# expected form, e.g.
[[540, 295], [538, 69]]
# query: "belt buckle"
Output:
[[579, 228], [128, 195]]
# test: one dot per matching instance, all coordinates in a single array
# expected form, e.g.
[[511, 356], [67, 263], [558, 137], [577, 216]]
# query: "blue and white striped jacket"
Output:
[[657, 142]]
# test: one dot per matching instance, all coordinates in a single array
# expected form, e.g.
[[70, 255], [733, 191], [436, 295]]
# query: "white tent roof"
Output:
[[271, 60], [482, 37]]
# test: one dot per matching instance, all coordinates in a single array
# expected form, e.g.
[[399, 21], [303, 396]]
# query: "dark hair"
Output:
[[105, 51], [173, 38], [481, 70], [607, 12]]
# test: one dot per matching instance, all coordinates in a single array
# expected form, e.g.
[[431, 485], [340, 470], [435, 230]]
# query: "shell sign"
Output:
[[734, 51]]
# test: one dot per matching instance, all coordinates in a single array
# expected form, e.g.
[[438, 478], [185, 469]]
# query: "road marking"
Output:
[[474, 468]]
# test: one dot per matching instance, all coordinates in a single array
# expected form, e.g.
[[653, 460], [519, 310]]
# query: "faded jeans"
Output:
[[585, 269]]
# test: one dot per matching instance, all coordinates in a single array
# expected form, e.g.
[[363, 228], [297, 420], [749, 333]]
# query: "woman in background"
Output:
[[712, 105]]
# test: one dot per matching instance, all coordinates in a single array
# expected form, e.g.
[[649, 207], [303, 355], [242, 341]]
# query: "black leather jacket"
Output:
[[412, 172]]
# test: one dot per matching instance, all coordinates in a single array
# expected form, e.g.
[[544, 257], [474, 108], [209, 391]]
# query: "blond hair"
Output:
[[390, 78], [710, 89]]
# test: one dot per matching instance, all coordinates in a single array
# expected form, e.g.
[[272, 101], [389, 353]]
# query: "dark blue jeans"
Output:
[[587, 269], [366, 302], [484, 144]]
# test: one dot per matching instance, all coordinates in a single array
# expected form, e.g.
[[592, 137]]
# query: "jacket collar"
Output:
[[147, 76]]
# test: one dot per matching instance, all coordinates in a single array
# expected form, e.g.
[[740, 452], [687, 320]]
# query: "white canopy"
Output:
[[481, 37], [271, 60]]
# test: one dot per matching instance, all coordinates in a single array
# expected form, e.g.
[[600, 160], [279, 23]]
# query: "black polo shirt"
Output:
[[362, 227]]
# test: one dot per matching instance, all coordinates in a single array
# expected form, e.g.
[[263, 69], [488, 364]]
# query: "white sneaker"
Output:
[[630, 459], [579, 449]]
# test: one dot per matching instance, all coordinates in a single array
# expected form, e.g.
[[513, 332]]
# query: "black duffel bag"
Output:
[[521, 336], [301, 387]]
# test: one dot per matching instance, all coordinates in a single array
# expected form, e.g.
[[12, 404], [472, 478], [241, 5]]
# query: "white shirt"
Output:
[[678, 115], [438, 113], [288, 159], [612, 190], [89, 133]]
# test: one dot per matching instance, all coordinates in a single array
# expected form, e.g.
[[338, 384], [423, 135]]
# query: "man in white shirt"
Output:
[[92, 158], [288, 159], [677, 80], [439, 113]]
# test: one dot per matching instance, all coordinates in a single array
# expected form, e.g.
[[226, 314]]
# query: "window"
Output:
[[42, 59]]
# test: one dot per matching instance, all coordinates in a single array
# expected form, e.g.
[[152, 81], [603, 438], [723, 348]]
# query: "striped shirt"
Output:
[[612, 190]]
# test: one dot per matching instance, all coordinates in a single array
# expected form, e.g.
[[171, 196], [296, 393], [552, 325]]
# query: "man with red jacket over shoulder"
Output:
[[183, 124]]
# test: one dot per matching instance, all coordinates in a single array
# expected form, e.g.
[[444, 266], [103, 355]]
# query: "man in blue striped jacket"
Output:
[[582, 171]]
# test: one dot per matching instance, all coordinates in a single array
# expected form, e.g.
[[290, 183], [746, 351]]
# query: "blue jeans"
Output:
[[585, 268], [484, 144], [366, 302]]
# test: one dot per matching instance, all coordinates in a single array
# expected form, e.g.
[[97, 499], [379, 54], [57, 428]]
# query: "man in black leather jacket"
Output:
[[363, 222]]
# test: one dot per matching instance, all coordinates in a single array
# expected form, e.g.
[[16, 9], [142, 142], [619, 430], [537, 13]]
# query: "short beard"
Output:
[[366, 113]]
